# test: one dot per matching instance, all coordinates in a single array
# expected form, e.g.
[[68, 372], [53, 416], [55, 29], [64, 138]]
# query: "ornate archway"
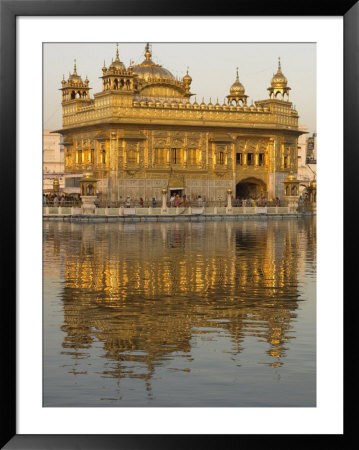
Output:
[[251, 187]]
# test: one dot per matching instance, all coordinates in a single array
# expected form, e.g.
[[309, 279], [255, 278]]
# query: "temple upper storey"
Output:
[[147, 91]]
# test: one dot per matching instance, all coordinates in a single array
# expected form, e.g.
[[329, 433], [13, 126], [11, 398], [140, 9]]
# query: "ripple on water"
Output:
[[166, 314]]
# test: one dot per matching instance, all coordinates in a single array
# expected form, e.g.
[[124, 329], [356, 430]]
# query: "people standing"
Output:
[[176, 201], [141, 202], [185, 202], [128, 202], [200, 201], [172, 200], [154, 202]]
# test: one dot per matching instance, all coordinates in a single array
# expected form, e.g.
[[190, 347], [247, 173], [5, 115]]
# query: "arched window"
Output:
[[116, 83], [73, 95], [160, 156], [79, 156], [103, 156], [192, 156], [176, 156], [287, 190], [132, 156]]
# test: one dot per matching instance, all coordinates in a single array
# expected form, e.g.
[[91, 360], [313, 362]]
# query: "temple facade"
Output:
[[143, 132]]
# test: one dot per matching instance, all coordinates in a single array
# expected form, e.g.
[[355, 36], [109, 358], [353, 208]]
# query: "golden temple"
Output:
[[142, 133]]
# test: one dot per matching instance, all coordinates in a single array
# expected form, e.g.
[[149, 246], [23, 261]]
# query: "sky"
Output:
[[212, 67]]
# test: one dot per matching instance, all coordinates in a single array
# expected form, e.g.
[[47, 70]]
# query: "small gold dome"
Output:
[[279, 80], [187, 78], [117, 64], [74, 77], [237, 87], [291, 177]]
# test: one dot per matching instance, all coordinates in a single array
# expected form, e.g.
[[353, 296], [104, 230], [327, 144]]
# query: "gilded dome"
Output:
[[148, 70], [187, 78], [237, 87], [279, 80], [291, 177], [117, 64], [74, 77]]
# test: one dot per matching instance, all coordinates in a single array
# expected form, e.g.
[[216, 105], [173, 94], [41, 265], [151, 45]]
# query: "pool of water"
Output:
[[180, 314]]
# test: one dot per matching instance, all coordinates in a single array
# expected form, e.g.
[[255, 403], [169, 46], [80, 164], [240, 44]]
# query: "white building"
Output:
[[54, 167], [53, 160], [307, 167]]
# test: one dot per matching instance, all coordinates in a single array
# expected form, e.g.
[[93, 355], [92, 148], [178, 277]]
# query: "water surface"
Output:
[[180, 314]]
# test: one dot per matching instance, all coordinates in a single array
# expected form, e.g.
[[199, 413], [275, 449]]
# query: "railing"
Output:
[[103, 203], [209, 211], [66, 203]]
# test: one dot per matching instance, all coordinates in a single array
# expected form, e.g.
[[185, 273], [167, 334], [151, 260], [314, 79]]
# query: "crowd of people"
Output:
[[53, 199], [255, 201], [175, 201]]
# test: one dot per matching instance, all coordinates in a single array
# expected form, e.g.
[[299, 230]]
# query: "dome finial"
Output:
[[279, 67], [148, 53], [75, 72], [237, 78], [117, 55]]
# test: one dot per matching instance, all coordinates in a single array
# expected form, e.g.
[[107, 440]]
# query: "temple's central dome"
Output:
[[148, 70]]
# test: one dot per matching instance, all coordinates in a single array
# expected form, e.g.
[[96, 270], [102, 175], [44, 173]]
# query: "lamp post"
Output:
[[229, 201], [164, 203]]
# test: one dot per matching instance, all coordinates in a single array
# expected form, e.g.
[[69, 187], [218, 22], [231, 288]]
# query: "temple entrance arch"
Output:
[[251, 187]]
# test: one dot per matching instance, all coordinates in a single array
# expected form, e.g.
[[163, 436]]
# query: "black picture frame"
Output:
[[9, 10]]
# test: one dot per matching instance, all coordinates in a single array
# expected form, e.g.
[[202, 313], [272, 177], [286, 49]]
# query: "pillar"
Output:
[[164, 203], [229, 201]]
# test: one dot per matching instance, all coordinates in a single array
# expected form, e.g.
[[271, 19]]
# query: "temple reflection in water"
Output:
[[147, 291]]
